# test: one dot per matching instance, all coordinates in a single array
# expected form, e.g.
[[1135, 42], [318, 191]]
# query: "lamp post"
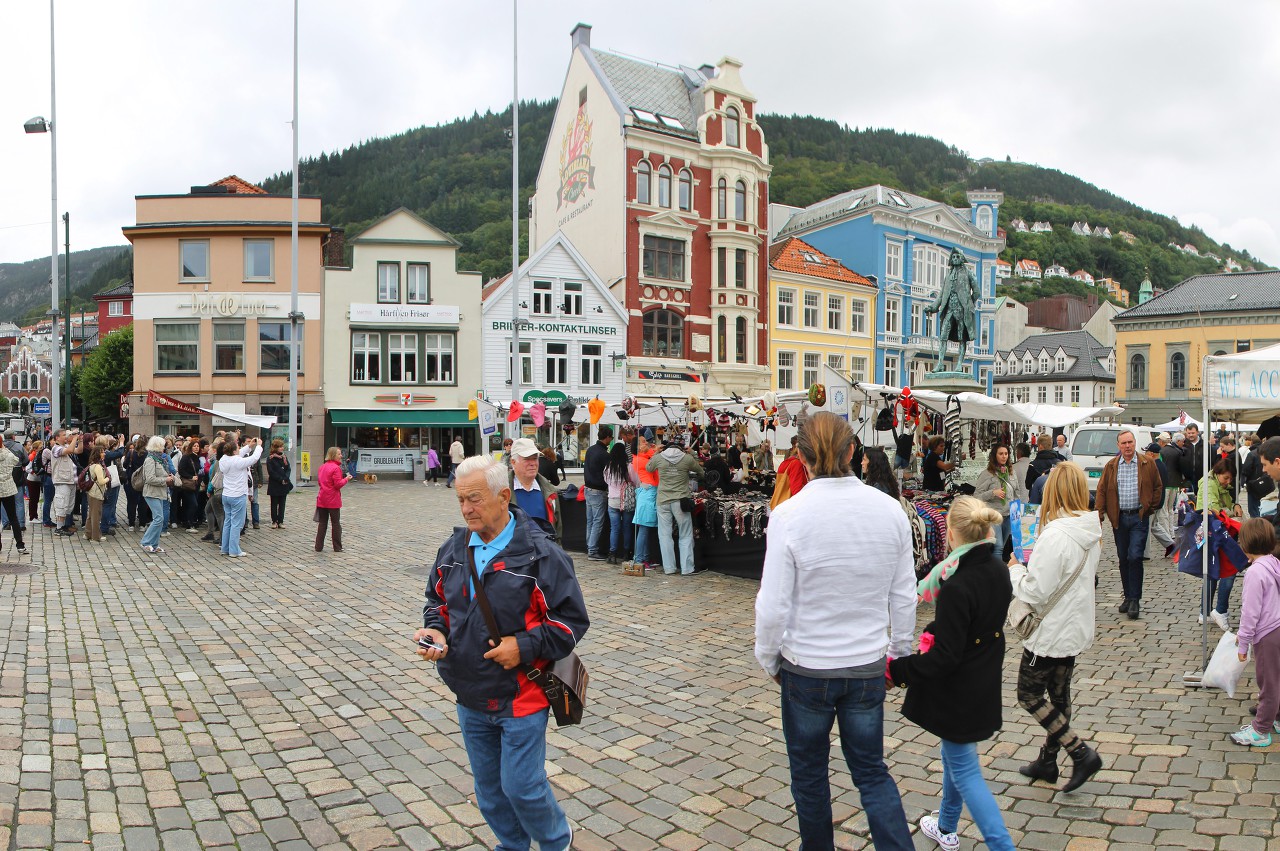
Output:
[[515, 213], [39, 125], [295, 316]]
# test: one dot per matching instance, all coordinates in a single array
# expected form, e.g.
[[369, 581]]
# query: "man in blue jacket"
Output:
[[531, 587]]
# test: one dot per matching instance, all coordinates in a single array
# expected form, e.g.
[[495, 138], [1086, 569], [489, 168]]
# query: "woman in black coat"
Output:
[[278, 483], [188, 469], [953, 689]]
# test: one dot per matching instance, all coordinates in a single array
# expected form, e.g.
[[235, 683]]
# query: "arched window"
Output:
[[722, 199], [732, 126], [984, 219], [642, 183], [664, 185], [13, 381], [1137, 372], [22, 381], [740, 201], [722, 339], [663, 334], [1178, 371], [742, 339], [686, 189], [24, 405]]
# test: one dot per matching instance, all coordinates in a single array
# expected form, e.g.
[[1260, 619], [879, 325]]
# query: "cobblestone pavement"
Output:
[[187, 700]]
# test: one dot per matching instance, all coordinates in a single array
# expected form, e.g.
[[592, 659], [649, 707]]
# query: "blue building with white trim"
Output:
[[905, 241]]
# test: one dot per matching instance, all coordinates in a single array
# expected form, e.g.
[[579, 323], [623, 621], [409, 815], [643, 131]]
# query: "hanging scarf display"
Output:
[[952, 432]]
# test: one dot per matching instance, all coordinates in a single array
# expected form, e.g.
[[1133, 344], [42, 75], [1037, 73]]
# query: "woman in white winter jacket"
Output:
[[1069, 540]]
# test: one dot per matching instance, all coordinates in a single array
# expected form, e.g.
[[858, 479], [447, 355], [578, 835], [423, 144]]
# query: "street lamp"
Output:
[[40, 125]]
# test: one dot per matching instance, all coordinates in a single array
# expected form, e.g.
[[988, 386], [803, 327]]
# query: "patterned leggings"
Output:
[[1038, 675]]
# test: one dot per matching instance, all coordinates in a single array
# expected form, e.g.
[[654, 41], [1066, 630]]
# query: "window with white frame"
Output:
[[177, 346], [722, 199], [732, 127], [1044, 363], [686, 189], [1057, 394], [812, 302], [857, 316], [643, 176], [402, 358], [366, 357], [858, 368], [573, 298], [893, 259], [1060, 363], [592, 364], [916, 325], [984, 219], [1075, 394], [740, 267], [812, 362], [273, 346], [418, 283], [1028, 363], [664, 185], [740, 340], [438, 351], [835, 313], [917, 370], [258, 255], [557, 363], [1042, 394], [542, 298], [194, 259], [892, 320], [228, 347], [663, 258], [836, 362], [891, 370], [526, 363], [787, 308], [115, 308], [786, 370], [999, 367], [388, 283], [1178, 371], [740, 201]]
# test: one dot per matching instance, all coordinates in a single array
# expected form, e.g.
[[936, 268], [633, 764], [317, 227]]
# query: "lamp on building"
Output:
[[524, 305], [599, 309]]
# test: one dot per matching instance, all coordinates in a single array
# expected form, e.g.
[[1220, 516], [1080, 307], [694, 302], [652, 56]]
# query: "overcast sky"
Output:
[[1168, 104]]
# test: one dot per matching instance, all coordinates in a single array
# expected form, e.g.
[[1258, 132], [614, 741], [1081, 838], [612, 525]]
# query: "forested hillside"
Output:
[[24, 287]]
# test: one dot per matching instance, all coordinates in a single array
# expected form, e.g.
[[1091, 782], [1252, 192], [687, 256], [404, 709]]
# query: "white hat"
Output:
[[524, 448]]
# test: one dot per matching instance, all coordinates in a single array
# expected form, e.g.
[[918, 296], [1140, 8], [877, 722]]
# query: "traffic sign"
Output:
[[40, 409]]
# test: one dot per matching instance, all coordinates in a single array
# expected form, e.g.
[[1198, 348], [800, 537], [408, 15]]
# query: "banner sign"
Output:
[[159, 400], [406, 314], [385, 460], [659, 375]]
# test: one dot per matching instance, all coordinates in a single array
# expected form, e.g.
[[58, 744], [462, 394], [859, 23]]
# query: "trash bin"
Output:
[[420, 469]]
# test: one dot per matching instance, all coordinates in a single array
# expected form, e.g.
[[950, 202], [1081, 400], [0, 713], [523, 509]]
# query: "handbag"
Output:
[[1023, 617], [686, 504], [563, 682], [191, 483]]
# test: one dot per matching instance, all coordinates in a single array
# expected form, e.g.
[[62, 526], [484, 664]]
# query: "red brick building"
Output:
[[115, 308], [660, 175]]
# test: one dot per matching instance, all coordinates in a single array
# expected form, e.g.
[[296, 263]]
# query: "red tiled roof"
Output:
[[239, 186], [1000, 262], [492, 286], [789, 256]]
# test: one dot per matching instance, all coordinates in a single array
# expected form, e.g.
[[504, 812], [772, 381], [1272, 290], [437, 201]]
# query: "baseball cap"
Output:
[[10, 432], [524, 448], [1152, 447], [1164, 435], [647, 434]]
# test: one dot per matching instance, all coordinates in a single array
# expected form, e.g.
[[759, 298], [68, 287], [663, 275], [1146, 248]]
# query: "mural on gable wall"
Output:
[[577, 175]]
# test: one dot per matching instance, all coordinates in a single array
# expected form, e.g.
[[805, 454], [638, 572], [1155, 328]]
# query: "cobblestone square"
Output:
[[188, 700]]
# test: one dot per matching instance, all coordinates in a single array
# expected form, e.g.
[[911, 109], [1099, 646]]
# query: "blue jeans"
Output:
[[109, 509], [253, 510], [620, 531], [963, 785], [1131, 546], [670, 513], [233, 519], [809, 708], [597, 509], [507, 758], [152, 536], [642, 544], [48, 499], [1255, 505], [1002, 534], [1222, 588]]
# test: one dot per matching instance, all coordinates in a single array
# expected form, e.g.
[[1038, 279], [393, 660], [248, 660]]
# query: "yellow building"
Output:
[[820, 312], [1161, 343]]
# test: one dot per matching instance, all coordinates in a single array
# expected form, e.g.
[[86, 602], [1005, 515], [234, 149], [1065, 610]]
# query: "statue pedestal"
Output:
[[950, 382]]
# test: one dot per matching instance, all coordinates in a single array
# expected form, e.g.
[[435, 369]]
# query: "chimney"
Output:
[[581, 35], [335, 247], [708, 70]]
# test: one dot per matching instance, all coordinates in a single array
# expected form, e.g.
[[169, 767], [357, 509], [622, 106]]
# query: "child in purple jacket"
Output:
[[1260, 628]]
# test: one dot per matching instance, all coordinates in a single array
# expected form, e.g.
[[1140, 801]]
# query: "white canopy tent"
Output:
[[978, 406], [255, 420], [1179, 423]]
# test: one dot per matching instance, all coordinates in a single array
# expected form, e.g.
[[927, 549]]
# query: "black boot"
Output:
[[1085, 763], [1044, 768]]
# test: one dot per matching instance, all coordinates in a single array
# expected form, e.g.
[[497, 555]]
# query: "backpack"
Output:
[[139, 478], [84, 481], [37, 465]]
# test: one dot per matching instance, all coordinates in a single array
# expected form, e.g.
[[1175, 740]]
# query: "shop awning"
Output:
[[255, 420], [398, 418]]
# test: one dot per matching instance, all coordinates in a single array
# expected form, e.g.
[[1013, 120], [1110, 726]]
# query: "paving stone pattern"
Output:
[[193, 701]]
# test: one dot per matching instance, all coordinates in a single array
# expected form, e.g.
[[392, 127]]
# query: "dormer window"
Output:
[[1028, 363], [1060, 363], [732, 126], [1044, 363]]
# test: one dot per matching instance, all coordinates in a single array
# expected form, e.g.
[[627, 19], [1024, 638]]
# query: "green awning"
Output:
[[405, 417]]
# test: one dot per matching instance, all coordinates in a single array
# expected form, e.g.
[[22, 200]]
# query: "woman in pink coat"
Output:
[[332, 480]]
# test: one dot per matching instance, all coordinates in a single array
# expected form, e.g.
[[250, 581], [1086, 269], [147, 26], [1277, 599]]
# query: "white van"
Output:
[[1094, 445]]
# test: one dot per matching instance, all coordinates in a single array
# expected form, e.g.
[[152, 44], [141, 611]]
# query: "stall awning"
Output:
[[398, 418]]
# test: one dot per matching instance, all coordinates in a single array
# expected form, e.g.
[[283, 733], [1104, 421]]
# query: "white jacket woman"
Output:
[[1062, 546]]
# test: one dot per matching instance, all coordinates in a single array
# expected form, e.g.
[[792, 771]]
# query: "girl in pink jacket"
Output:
[[1260, 628]]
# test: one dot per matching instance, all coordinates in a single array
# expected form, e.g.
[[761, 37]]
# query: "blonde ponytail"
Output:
[[970, 520]]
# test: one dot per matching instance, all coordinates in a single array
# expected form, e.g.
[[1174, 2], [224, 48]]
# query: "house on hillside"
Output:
[[1127, 237], [1081, 229], [1191, 249], [1004, 269], [1027, 269], [1231, 265], [1105, 233], [1116, 291], [1057, 270], [1042, 227], [1082, 276], [1019, 225]]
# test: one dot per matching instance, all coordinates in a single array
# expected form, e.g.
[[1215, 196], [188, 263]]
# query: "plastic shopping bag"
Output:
[[1225, 668], [1024, 523]]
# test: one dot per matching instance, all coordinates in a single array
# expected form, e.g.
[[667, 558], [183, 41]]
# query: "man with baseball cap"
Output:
[[530, 492]]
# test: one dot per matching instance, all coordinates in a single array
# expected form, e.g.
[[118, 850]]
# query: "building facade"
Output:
[[402, 350], [115, 308], [27, 381], [211, 303], [660, 175], [1161, 345], [1057, 368], [905, 242], [822, 313]]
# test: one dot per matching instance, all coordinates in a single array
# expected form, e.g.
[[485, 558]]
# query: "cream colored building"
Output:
[[402, 353], [212, 326]]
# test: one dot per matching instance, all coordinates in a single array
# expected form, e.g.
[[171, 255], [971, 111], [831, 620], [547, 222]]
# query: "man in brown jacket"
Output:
[[1128, 493]]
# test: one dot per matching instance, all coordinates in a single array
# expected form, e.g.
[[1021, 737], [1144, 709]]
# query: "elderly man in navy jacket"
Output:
[[531, 587]]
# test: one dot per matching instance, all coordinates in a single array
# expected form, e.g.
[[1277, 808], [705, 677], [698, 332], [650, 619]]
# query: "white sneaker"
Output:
[[1199, 619], [946, 841], [1221, 620]]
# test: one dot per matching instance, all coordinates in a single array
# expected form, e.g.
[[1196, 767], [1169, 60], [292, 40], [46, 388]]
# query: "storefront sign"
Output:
[[229, 304], [561, 328], [659, 375], [488, 420], [385, 460], [159, 400], [552, 398], [406, 314]]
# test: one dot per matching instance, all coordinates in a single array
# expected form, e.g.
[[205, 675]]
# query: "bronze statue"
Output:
[[956, 305]]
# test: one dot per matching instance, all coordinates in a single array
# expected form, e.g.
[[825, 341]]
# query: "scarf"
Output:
[[928, 588]]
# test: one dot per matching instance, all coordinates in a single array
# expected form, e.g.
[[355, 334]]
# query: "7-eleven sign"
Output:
[[406, 398]]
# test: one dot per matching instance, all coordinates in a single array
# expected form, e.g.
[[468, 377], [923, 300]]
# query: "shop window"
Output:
[[273, 346], [438, 355], [177, 346], [663, 334], [366, 357], [388, 283], [402, 358], [418, 285], [228, 347]]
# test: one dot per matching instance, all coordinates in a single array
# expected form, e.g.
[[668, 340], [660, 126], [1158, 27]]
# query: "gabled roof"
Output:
[[239, 186], [856, 201], [1215, 293], [368, 235], [1089, 354], [1028, 264], [493, 290], [800, 258], [655, 89], [116, 292], [1001, 262]]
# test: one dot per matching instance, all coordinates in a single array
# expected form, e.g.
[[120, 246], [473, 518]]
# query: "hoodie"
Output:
[[1062, 546], [674, 466], [1260, 609]]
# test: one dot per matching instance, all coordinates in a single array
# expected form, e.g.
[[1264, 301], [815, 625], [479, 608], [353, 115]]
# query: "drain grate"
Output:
[[416, 569], [16, 569]]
